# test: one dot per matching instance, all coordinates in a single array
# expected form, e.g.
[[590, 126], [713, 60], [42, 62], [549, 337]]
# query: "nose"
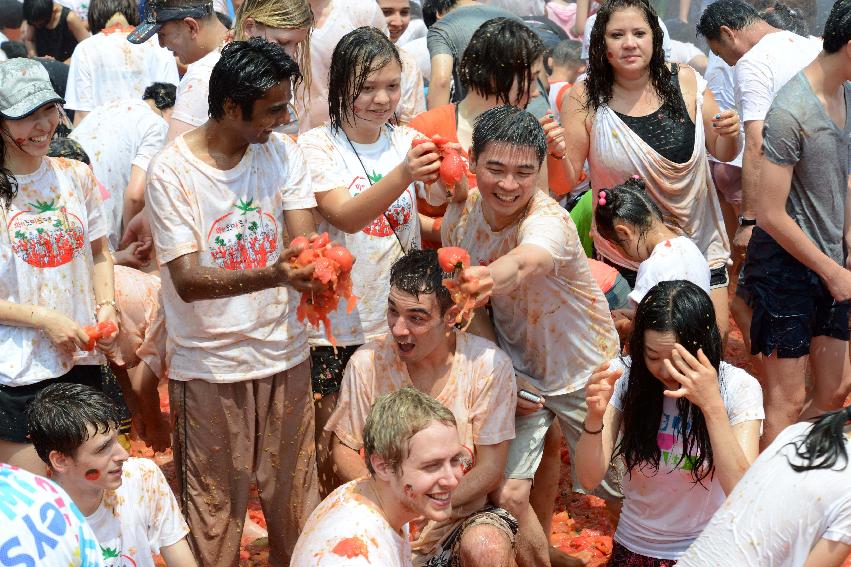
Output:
[[382, 97], [509, 183], [121, 454], [629, 40], [398, 327], [451, 476]]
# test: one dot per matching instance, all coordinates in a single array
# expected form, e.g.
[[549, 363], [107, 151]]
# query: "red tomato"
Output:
[[306, 257], [342, 256], [453, 168], [419, 140], [106, 329], [92, 331], [321, 241], [439, 140], [452, 258], [299, 242]]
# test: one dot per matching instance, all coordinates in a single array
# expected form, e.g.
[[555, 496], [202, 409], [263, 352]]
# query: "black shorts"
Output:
[[327, 367], [718, 277], [790, 303], [15, 399]]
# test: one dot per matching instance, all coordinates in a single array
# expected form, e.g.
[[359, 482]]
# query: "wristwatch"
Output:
[[746, 222]]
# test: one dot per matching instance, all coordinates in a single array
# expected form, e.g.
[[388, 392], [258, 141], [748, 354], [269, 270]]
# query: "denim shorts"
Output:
[[790, 303], [327, 365]]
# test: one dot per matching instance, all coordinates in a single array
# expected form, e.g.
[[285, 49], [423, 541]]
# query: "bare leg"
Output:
[[783, 394], [830, 386], [721, 302], [328, 480], [532, 545], [545, 486], [483, 544]]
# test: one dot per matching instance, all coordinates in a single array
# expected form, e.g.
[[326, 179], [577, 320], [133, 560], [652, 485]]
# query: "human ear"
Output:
[[194, 27], [250, 27], [727, 35], [383, 470], [60, 462], [232, 110], [624, 232]]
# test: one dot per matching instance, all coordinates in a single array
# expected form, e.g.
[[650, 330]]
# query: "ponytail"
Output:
[[824, 446], [627, 202]]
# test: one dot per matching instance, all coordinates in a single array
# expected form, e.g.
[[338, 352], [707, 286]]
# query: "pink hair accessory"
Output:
[[636, 177], [601, 201]]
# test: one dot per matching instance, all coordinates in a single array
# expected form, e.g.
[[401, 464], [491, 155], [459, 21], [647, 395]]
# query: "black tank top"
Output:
[[670, 135], [59, 42]]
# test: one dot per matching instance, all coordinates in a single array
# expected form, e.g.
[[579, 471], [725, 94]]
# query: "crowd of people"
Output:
[[540, 217]]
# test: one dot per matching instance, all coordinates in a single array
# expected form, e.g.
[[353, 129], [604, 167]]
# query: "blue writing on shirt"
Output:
[[669, 430]]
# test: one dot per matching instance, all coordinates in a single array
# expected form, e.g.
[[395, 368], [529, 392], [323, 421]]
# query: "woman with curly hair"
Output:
[[635, 114]]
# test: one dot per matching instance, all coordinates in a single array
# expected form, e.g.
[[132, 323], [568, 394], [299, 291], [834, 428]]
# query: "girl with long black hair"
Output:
[[690, 426]]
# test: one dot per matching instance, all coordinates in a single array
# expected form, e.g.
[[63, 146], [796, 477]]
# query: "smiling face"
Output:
[[31, 135], [659, 346], [417, 324], [269, 112], [289, 40], [629, 40], [398, 16], [376, 103], [178, 36], [506, 176], [97, 463]]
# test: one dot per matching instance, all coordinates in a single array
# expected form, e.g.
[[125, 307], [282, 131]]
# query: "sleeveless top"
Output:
[[59, 42], [684, 191]]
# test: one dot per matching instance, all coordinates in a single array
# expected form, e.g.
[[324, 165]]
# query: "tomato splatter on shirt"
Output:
[[351, 547]]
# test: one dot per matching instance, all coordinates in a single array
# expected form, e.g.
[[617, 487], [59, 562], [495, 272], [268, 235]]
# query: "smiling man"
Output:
[[466, 373], [220, 199], [127, 502]]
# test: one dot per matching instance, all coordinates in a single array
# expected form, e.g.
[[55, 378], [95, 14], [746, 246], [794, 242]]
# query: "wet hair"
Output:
[[11, 14], [837, 29], [627, 202], [431, 8], [418, 272], [163, 94], [282, 15], [783, 17], [509, 125], [60, 415], [684, 309], [394, 419], [14, 49], [8, 183], [601, 76], [61, 147], [500, 54], [824, 446], [100, 11], [246, 72], [358, 54], [38, 11], [567, 52], [734, 14]]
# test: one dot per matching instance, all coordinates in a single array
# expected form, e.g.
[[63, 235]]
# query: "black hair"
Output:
[[627, 202], [418, 272], [837, 29], [510, 125], [224, 19], [8, 183], [684, 309], [11, 14], [734, 14], [60, 415], [358, 54], [61, 147], [823, 447], [100, 11], [500, 54], [14, 49], [163, 94], [245, 73], [601, 77], [38, 11], [431, 8], [783, 17], [568, 51]]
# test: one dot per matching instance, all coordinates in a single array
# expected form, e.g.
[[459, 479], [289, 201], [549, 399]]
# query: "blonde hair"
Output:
[[283, 15]]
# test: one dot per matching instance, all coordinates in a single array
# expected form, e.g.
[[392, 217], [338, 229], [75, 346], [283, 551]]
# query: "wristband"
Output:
[[589, 432], [561, 157], [746, 222]]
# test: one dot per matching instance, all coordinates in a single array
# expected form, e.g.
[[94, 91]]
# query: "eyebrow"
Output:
[[499, 163], [104, 445]]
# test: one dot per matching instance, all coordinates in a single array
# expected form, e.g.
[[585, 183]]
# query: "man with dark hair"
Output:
[[469, 375], [127, 502], [220, 199], [106, 68], [796, 272], [52, 29]]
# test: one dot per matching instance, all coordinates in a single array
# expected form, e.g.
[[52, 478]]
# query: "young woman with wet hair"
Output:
[[363, 171], [689, 426], [801, 487], [637, 114]]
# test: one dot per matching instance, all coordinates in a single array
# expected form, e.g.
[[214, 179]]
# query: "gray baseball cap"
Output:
[[157, 15], [24, 88]]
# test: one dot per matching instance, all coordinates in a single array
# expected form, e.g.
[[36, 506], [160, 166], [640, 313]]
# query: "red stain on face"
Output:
[[92, 474], [351, 547]]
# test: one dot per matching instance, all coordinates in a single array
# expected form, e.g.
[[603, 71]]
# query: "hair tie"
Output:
[[601, 201], [636, 177]]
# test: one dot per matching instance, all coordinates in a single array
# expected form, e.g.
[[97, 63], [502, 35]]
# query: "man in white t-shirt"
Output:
[[220, 200], [765, 58], [467, 374], [413, 468], [548, 311], [127, 502], [190, 30], [106, 68]]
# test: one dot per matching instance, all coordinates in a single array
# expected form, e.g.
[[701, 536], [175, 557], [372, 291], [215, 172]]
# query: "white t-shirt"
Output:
[[589, 25], [766, 67], [333, 164], [675, 259], [116, 137], [418, 50], [556, 328], [46, 259], [234, 219], [80, 7], [348, 530], [106, 67], [480, 392], [416, 30], [134, 521], [413, 99], [192, 105], [775, 515], [682, 52], [719, 79], [664, 511], [41, 524]]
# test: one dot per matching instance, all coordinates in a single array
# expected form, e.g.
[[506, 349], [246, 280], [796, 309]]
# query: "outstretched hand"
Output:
[[599, 390]]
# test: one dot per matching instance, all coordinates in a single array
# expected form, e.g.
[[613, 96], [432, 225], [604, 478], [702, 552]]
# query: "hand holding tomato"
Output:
[[107, 327], [598, 392], [62, 331], [298, 277], [422, 163], [477, 282]]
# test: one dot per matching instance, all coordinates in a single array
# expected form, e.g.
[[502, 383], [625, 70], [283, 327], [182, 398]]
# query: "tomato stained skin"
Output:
[[452, 258], [92, 474], [439, 140], [97, 332]]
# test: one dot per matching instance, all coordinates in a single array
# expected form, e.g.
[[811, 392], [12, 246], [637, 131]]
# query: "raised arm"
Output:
[[485, 476], [576, 121], [594, 450]]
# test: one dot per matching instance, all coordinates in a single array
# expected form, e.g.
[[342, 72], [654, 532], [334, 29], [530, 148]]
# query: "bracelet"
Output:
[[589, 432], [561, 157], [102, 304]]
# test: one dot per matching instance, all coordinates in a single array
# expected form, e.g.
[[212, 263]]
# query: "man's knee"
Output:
[[513, 495], [486, 544]]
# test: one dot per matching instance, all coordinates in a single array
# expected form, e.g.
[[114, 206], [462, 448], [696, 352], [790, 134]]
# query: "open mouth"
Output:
[[38, 139], [440, 499], [508, 199], [405, 347]]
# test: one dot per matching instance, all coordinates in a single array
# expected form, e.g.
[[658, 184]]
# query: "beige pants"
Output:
[[225, 434]]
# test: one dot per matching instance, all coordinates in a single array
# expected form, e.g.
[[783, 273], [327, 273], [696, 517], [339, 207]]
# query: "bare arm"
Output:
[[28, 38], [178, 555], [751, 162], [582, 7], [441, 77], [134, 194], [594, 450], [576, 121], [347, 461], [827, 553], [506, 273], [685, 6], [78, 27], [485, 476], [734, 447], [722, 133]]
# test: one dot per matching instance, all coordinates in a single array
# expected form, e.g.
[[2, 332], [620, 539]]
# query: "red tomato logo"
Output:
[[49, 237], [245, 239]]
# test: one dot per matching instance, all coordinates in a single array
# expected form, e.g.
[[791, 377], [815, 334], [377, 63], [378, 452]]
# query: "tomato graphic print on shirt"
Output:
[[243, 239], [396, 217], [46, 235], [113, 558]]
